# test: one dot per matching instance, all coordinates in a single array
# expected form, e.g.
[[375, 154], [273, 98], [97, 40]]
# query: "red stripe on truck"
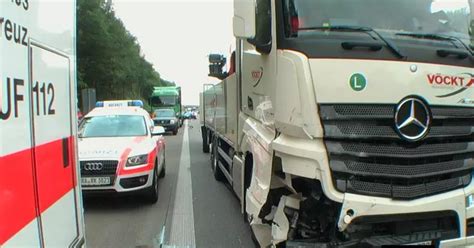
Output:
[[54, 177], [17, 198]]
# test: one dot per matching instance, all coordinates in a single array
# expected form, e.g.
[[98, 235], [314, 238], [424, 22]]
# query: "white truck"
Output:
[[40, 195], [347, 123]]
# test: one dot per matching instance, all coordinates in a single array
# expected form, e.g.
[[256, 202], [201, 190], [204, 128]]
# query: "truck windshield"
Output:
[[157, 101], [451, 17], [113, 126], [430, 23], [164, 113]]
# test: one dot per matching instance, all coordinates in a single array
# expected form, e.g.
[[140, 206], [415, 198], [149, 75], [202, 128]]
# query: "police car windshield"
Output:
[[113, 126]]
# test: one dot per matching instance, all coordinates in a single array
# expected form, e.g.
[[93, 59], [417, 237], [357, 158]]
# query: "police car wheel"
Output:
[[152, 194], [163, 169]]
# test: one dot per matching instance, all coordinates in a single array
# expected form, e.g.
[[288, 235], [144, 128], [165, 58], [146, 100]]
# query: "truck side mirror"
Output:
[[216, 64], [471, 19], [263, 23], [471, 29], [244, 19]]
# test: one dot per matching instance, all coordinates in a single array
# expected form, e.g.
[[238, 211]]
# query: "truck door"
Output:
[[54, 156], [258, 71]]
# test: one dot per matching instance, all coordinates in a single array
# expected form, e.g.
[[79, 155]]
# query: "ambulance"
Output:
[[40, 197], [121, 150]]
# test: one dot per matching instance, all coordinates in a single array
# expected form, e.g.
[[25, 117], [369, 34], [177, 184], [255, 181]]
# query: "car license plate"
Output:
[[93, 181]]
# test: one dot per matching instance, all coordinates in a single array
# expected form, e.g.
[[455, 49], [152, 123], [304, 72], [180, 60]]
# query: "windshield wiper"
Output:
[[392, 47], [339, 28], [441, 37]]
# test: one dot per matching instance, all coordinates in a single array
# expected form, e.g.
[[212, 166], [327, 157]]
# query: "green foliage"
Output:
[[109, 57]]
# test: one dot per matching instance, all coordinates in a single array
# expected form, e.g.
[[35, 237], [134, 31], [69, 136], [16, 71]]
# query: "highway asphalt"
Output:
[[193, 209]]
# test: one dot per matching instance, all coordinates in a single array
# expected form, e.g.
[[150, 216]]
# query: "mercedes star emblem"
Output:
[[93, 166], [412, 119]]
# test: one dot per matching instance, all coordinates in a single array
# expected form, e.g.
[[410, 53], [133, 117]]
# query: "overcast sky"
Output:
[[177, 35]]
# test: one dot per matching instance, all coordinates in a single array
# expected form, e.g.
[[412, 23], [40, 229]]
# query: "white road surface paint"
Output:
[[182, 228]]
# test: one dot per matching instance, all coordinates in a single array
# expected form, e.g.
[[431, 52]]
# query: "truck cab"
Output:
[[347, 120], [167, 97]]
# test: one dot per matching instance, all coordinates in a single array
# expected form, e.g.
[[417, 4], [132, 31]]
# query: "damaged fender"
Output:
[[281, 222]]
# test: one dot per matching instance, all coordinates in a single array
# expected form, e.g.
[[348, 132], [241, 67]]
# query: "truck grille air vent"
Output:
[[368, 157]]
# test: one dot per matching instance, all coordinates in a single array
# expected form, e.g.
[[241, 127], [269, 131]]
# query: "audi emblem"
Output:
[[93, 166]]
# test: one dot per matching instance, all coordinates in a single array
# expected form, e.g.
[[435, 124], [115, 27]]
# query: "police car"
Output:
[[120, 150]]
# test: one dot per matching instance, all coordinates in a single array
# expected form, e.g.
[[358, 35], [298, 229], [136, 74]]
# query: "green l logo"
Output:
[[358, 82]]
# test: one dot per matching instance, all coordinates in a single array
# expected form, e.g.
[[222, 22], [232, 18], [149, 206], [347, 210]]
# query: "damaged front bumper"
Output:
[[459, 242], [308, 159]]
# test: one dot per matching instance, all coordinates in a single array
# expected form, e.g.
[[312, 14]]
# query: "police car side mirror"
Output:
[[157, 130]]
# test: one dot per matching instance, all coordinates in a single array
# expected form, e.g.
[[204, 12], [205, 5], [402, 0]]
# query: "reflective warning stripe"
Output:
[[129, 171], [139, 139], [123, 160], [54, 179], [17, 197]]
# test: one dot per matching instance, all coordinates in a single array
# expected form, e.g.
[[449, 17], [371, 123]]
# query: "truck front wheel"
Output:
[[218, 175], [248, 170]]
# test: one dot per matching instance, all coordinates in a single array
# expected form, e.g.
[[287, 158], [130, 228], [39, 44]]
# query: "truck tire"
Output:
[[205, 147], [216, 170], [205, 142], [151, 195], [175, 131], [248, 170]]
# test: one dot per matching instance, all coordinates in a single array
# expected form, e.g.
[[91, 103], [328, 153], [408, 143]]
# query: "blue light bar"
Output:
[[120, 103], [136, 103]]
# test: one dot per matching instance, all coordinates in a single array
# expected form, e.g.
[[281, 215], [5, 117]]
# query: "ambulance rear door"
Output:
[[40, 198]]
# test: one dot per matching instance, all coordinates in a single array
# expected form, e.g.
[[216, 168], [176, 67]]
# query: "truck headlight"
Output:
[[137, 160], [172, 122]]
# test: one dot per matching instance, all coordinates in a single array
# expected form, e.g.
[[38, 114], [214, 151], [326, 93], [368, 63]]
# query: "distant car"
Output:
[[167, 119], [194, 115], [121, 150], [187, 115], [190, 115]]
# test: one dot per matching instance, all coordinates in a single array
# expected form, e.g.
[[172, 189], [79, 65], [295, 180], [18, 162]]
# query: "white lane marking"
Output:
[[182, 226]]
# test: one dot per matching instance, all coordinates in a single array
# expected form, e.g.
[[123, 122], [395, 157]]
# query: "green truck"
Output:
[[167, 97]]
